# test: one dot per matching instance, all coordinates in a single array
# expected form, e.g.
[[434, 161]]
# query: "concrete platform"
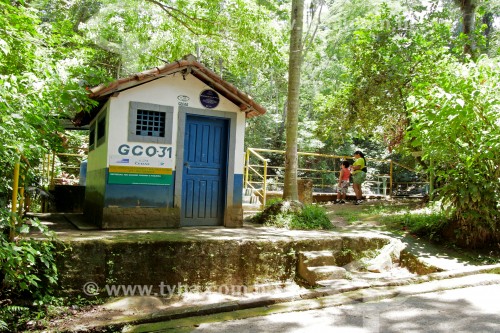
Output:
[[196, 257], [72, 227], [202, 270]]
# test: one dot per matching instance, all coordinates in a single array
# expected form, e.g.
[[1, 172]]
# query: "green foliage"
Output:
[[456, 124], [39, 69], [27, 270], [312, 217], [426, 224], [402, 75], [27, 265], [11, 314], [243, 34], [387, 55]]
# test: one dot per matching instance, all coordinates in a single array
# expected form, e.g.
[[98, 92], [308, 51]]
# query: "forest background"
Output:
[[389, 78]]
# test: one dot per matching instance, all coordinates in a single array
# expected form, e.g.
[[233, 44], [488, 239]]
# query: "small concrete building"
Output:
[[166, 149]]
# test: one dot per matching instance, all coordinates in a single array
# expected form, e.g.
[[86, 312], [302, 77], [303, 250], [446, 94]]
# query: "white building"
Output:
[[166, 149]]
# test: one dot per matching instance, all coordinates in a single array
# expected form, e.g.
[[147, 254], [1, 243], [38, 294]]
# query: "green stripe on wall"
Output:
[[139, 179]]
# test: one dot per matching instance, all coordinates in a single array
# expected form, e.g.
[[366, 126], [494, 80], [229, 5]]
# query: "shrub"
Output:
[[27, 272], [311, 217], [427, 225], [292, 216], [455, 123]]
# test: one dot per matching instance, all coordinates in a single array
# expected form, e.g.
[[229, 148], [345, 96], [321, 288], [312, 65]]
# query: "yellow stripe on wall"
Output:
[[140, 170]]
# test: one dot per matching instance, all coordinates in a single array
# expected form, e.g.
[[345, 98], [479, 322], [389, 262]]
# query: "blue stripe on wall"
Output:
[[238, 190]]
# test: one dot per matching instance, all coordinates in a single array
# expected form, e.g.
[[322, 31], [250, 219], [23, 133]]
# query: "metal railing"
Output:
[[55, 171], [261, 177], [18, 194], [253, 185]]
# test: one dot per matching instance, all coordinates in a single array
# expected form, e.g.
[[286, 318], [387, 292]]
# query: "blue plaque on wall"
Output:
[[209, 98]]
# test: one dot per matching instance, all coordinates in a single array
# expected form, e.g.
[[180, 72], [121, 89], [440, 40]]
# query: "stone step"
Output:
[[314, 274], [247, 192], [318, 258]]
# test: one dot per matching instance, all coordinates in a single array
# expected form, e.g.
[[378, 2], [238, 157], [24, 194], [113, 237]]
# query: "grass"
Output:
[[411, 218]]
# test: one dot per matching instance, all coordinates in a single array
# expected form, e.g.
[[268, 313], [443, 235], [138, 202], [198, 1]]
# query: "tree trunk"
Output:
[[468, 9], [290, 191]]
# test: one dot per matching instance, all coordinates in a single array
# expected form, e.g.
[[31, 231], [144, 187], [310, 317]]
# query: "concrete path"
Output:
[[468, 309]]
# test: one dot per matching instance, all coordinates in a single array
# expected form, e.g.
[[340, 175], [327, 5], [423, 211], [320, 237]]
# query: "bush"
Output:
[[292, 216], [27, 272], [427, 225], [311, 217], [455, 123]]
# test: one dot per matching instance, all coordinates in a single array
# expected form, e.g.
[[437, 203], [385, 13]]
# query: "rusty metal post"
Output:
[[264, 185], [53, 170]]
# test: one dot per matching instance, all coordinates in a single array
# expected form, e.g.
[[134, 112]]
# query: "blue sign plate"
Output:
[[209, 99]]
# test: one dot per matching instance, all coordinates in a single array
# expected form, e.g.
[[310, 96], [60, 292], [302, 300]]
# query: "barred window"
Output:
[[150, 123]]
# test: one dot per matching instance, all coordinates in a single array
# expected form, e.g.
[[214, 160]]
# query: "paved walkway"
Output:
[[72, 227], [467, 309]]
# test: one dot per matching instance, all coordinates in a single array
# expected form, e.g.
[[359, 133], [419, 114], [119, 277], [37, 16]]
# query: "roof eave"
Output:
[[244, 101]]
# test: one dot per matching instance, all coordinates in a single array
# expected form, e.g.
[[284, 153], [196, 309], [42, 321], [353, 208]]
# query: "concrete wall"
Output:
[[156, 259]]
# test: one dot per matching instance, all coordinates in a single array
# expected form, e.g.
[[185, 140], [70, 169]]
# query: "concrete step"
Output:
[[315, 266], [314, 274], [318, 258], [251, 199], [247, 207]]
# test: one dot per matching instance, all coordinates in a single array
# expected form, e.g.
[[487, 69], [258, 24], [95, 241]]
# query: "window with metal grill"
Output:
[[150, 123]]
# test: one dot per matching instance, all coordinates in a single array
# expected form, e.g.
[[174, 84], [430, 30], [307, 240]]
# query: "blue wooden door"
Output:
[[204, 171]]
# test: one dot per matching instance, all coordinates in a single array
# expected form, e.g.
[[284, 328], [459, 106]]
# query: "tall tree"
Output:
[[468, 10], [290, 191]]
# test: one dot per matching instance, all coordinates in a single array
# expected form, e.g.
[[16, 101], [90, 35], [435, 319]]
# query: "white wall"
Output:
[[166, 91]]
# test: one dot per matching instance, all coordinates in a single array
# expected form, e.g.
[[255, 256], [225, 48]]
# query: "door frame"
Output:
[[179, 155]]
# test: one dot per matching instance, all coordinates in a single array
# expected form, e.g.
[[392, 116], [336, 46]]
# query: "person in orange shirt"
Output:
[[343, 183]]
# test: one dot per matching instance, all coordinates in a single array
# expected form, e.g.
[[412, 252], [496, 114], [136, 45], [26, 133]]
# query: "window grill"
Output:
[[150, 123]]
